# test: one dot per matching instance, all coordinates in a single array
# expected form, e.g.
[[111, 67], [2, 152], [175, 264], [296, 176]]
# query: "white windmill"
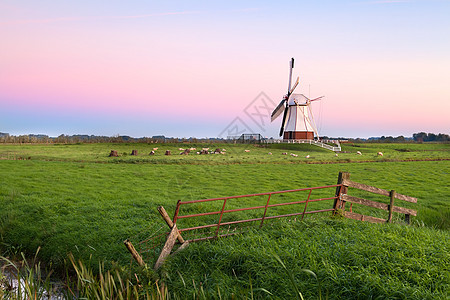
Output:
[[298, 122]]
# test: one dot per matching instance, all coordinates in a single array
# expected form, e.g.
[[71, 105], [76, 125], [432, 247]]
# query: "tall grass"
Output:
[[345, 258], [24, 279]]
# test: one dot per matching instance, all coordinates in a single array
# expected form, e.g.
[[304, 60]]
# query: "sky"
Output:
[[218, 68]]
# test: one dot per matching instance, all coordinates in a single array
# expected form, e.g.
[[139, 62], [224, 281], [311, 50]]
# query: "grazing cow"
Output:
[[358, 152], [167, 152], [284, 153], [152, 152], [113, 153], [133, 152], [380, 153]]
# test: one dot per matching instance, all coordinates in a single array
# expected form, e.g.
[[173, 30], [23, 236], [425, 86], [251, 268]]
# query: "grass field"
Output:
[[74, 198], [352, 260], [90, 153]]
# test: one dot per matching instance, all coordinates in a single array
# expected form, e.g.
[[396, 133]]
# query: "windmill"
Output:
[[298, 122]]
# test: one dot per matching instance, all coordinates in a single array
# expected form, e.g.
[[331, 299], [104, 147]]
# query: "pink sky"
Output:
[[189, 69]]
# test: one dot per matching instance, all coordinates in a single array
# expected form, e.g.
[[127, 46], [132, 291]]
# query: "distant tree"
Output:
[[430, 137], [419, 137], [400, 139], [441, 137]]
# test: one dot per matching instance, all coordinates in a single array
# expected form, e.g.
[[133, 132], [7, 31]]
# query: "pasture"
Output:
[[75, 199]]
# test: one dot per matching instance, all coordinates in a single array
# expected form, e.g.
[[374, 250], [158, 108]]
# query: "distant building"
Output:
[[248, 138]]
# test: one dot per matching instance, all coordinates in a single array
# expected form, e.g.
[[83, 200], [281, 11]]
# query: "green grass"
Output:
[[76, 199], [352, 260], [89, 153]]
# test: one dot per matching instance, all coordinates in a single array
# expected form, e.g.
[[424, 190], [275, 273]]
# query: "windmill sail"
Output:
[[295, 85], [278, 110], [283, 123]]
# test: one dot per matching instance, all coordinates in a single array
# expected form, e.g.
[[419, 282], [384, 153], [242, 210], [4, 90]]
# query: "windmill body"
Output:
[[298, 122]]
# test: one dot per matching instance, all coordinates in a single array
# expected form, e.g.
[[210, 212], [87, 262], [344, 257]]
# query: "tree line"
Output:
[[431, 137], [73, 139]]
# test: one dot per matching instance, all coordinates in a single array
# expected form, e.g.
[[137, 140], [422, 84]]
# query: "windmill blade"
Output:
[[278, 110], [294, 86], [318, 98], [284, 120], [290, 73]]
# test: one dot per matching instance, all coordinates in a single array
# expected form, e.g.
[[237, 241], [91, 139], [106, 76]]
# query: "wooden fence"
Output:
[[340, 198]]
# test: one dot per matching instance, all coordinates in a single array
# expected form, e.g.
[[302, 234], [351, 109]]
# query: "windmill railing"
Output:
[[336, 148]]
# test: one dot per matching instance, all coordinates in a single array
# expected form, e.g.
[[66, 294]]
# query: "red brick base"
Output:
[[298, 135]]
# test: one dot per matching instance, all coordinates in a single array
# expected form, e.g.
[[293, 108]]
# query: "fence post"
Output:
[[177, 210], [340, 190], [306, 203], [265, 211], [168, 246], [408, 219], [391, 205], [133, 252], [221, 215], [169, 222]]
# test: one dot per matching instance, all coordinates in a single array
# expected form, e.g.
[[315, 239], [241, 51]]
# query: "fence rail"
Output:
[[262, 218], [340, 198], [343, 197]]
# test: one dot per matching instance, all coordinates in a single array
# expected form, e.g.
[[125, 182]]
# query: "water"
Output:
[[9, 283]]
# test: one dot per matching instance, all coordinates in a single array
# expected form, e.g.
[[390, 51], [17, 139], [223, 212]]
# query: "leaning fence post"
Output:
[[133, 252], [391, 205], [340, 190], [169, 222], [168, 246]]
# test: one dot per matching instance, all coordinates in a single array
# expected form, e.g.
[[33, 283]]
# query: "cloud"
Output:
[[69, 19]]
